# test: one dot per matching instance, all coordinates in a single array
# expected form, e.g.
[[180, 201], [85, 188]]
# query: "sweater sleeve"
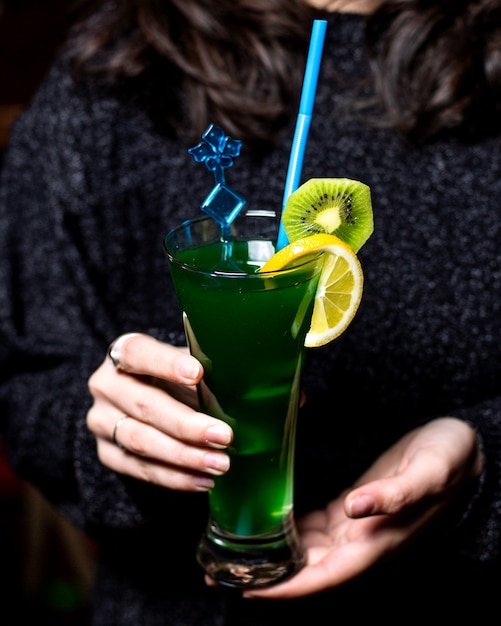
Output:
[[60, 243], [478, 530]]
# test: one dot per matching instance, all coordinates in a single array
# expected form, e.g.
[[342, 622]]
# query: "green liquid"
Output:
[[248, 332]]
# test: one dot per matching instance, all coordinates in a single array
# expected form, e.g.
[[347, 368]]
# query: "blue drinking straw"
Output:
[[304, 118]]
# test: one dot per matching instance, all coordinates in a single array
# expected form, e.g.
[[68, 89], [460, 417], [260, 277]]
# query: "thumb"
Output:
[[385, 496]]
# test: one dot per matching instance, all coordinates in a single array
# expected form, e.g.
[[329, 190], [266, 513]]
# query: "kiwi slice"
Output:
[[336, 206]]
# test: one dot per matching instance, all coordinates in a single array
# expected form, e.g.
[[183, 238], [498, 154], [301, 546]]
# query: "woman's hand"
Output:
[[163, 439], [408, 486]]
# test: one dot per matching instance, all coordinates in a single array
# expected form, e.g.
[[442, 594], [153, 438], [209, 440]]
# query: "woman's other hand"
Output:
[[409, 485]]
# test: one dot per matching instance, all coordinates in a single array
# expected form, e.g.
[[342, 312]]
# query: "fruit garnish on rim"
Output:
[[333, 217], [339, 289], [337, 206]]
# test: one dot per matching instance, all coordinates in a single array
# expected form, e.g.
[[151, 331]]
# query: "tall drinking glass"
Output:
[[248, 330]]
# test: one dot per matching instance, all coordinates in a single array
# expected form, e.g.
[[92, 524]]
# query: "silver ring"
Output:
[[113, 355], [115, 440]]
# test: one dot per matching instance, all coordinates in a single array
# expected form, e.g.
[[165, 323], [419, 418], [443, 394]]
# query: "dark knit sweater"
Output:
[[88, 190]]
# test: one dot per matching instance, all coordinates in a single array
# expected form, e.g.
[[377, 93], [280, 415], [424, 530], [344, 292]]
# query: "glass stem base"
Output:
[[257, 561]]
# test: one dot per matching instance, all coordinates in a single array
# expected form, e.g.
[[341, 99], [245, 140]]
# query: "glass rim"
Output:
[[301, 265]]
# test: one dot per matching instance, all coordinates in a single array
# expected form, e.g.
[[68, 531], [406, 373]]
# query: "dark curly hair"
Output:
[[239, 63]]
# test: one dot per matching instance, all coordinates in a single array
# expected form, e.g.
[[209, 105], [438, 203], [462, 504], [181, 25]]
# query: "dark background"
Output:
[[46, 565]]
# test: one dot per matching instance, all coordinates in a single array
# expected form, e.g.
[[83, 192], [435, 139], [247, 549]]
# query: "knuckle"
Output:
[[91, 419], [102, 453], [93, 384], [191, 428], [130, 346], [98, 382], [142, 410], [155, 475], [135, 443], [94, 422], [399, 499]]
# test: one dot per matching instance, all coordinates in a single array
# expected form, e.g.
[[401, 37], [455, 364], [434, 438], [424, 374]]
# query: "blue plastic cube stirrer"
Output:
[[217, 151]]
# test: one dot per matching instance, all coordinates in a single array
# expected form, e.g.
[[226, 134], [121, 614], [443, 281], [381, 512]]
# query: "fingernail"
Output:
[[220, 434], [361, 506], [203, 483], [219, 462], [187, 368]]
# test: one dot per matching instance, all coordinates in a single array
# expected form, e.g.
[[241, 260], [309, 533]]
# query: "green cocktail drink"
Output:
[[247, 329]]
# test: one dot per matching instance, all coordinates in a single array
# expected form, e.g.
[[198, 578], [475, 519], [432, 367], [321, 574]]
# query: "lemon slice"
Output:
[[339, 289]]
